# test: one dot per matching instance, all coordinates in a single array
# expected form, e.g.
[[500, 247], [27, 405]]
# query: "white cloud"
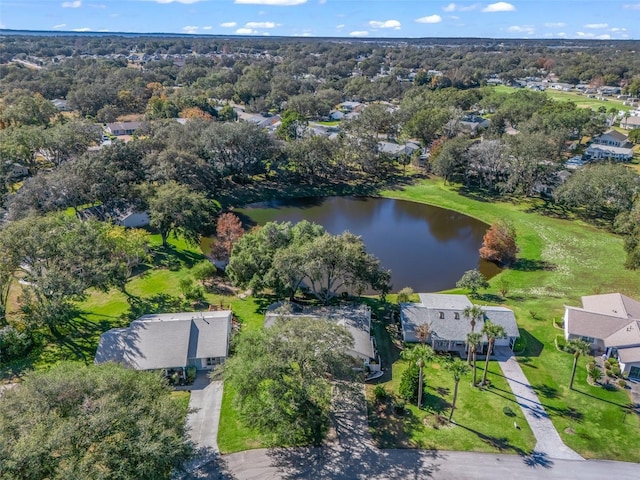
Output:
[[338, 27], [596, 25], [499, 7], [359, 33], [453, 7], [74, 4], [605, 36], [228, 24], [561, 34], [208, 27], [386, 24], [586, 35], [616, 29], [555, 24], [60, 25], [429, 19], [246, 31], [190, 29], [631, 6], [528, 29], [275, 3], [97, 5], [83, 29], [260, 25]]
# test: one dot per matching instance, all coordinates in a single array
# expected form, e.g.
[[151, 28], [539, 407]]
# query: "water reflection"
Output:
[[426, 248]]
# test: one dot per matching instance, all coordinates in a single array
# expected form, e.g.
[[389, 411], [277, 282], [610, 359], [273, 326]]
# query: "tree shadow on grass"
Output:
[[534, 346], [537, 411], [159, 303], [173, 258], [502, 444], [546, 391], [621, 405], [530, 265], [434, 403], [488, 297]]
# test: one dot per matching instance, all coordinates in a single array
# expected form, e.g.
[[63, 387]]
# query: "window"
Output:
[[456, 315], [213, 361], [588, 339], [441, 314]]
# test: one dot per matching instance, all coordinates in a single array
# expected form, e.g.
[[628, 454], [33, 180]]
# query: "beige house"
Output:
[[610, 323]]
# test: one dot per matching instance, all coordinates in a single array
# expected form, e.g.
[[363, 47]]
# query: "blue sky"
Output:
[[603, 19]]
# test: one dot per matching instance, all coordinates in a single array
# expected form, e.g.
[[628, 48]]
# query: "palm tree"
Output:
[[492, 331], [577, 347], [473, 313], [458, 368], [421, 355], [474, 340]]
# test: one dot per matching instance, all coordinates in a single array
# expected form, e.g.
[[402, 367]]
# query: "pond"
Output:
[[426, 248]]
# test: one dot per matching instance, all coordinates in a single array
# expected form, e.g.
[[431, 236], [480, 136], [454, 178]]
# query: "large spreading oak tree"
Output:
[[102, 422]]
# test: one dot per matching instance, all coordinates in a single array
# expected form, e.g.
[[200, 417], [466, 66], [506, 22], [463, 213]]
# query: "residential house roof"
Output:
[[633, 121], [611, 135], [586, 323], [444, 313], [166, 340], [615, 304], [629, 355], [355, 319], [609, 150], [123, 126]]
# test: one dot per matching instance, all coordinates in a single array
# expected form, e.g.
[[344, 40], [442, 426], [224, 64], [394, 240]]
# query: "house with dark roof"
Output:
[[355, 318], [610, 323], [169, 341], [448, 325]]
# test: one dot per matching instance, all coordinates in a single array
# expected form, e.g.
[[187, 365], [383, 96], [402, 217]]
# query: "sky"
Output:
[[573, 19]]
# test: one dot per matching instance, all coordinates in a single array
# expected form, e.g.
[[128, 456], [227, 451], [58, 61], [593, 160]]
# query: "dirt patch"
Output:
[[569, 431]]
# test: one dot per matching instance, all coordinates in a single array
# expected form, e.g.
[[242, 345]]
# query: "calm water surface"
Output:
[[426, 248]]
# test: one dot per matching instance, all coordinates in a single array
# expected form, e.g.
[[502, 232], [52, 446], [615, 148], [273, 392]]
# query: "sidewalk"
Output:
[[548, 442]]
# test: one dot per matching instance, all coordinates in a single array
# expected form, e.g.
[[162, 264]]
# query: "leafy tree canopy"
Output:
[[102, 422]]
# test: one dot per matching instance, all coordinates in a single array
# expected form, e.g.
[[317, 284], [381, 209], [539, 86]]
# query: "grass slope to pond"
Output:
[[580, 100], [560, 261]]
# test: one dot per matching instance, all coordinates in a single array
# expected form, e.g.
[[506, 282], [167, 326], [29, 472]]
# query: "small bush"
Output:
[[612, 361], [591, 365], [14, 344], [380, 394], [622, 383], [594, 373], [616, 370], [508, 412], [409, 384], [191, 375], [520, 345], [404, 295]]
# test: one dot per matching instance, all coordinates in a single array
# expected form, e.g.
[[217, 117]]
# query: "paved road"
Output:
[[350, 454], [548, 442], [205, 401]]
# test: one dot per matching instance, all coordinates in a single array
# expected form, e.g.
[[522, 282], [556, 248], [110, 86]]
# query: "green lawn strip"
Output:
[[564, 260], [182, 399], [233, 435], [481, 422], [580, 100]]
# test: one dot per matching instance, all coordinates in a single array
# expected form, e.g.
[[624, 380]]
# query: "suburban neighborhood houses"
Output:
[[227, 253]]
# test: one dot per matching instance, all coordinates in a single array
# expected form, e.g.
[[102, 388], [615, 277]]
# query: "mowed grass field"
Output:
[[580, 100]]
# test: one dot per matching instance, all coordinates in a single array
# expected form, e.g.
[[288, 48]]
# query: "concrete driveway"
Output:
[[205, 403]]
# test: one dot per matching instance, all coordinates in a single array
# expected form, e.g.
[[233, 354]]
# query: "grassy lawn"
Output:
[[561, 260], [580, 100], [330, 123], [481, 423], [233, 435]]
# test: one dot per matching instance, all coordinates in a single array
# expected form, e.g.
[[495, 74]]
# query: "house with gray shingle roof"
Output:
[[448, 326], [169, 341], [355, 318], [610, 323]]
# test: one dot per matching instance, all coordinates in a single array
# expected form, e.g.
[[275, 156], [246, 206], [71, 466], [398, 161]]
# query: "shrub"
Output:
[[616, 370], [508, 412], [499, 244], [595, 374], [191, 374], [380, 394], [409, 384], [612, 361], [591, 364], [14, 344], [622, 383], [204, 271], [404, 295]]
